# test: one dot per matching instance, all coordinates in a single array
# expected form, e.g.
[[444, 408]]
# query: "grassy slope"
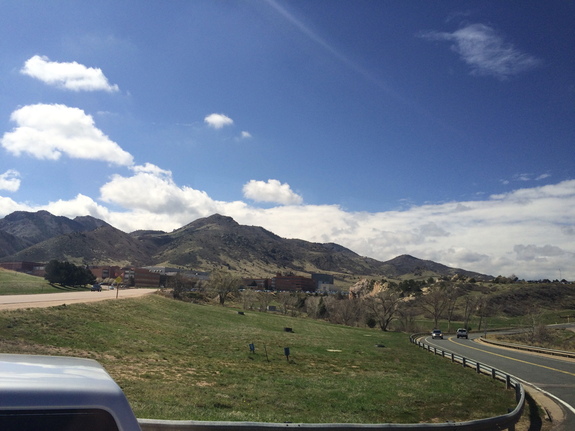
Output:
[[17, 283], [177, 360]]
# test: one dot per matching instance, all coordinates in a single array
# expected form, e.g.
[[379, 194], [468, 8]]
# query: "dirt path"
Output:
[[12, 302]]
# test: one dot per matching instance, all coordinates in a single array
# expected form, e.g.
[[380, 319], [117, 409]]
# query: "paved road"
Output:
[[555, 376], [11, 302]]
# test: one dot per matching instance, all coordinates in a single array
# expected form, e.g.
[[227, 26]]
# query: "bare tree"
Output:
[[469, 305], [482, 311], [452, 298], [435, 301], [406, 316], [383, 306], [223, 284], [343, 311], [265, 299], [315, 307], [286, 300], [536, 331], [249, 299], [185, 289]]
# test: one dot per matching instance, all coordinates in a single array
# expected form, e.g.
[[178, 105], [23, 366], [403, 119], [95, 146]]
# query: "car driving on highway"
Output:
[[436, 333], [462, 333]]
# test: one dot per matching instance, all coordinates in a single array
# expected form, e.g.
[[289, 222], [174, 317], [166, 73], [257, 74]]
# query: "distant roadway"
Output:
[[554, 376], [12, 302]]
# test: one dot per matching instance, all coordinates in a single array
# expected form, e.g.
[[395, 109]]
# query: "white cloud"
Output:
[[153, 198], [486, 52], [481, 237], [81, 205], [10, 180], [217, 121], [271, 191], [48, 131], [528, 232], [246, 135], [70, 76]]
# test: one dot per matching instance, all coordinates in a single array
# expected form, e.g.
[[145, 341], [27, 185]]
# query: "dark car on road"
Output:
[[96, 288], [436, 333]]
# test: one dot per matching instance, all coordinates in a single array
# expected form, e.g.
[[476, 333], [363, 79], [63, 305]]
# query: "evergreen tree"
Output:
[[68, 274]]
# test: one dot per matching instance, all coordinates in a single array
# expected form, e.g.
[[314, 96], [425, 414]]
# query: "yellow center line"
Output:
[[513, 359]]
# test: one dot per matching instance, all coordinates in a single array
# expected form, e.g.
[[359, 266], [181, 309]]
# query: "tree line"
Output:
[[378, 304], [68, 274]]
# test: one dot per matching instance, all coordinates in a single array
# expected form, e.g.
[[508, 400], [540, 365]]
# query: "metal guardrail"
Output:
[[502, 422], [528, 348]]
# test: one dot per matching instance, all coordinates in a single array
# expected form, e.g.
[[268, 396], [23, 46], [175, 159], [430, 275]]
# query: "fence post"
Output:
[[452, 357], [493, 372], [478, 367], [463, 362], [507, 381]]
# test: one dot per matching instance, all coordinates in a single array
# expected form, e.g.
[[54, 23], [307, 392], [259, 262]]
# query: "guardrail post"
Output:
[[478, 367], [493, 373], [452, 357], [463, 360], [507, 381]]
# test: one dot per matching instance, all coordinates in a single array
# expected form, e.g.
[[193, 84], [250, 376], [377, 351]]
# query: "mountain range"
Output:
[[205, 244]]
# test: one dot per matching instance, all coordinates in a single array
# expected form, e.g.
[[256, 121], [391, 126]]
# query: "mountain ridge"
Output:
[[207, 243]]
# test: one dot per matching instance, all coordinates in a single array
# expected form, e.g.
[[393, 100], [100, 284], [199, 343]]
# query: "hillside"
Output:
[[102, 246], [406, 264], [204, 244], [221, 241], [182, 361], [32, 228]]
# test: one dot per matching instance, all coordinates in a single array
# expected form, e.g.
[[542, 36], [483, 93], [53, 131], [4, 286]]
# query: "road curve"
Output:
[[13, 302], [553, 376]]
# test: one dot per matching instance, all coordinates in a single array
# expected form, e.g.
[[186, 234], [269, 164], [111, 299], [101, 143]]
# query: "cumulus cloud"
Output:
[[48, 131], [482, 238], [246, 135], [81, 205], [70, 76], [218, 121], [528, 232], [271, 191], [486, 51], [152, 189], [10, 180]]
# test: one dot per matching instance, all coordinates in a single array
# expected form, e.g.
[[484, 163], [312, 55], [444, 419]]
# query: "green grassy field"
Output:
[[178, 360], [17, 283]]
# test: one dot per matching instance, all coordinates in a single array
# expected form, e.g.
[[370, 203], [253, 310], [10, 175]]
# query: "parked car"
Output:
[[436, 333], [462, 333], [96, 288]]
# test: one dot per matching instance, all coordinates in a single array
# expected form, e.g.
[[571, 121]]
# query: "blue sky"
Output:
[[444, 130]]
